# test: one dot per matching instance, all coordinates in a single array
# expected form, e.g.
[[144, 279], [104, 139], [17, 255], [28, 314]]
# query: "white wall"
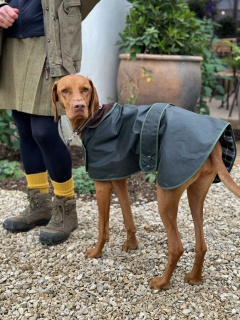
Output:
[[100, 54], [100, 31]]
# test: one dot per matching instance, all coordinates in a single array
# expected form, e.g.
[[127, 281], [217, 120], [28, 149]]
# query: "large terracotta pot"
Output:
[[159, 78]]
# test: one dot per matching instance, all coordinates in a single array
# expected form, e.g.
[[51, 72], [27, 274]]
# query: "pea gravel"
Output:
[[40, 282]]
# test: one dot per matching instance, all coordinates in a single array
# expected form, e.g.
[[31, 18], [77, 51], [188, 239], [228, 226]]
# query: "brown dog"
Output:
[[77, 95]]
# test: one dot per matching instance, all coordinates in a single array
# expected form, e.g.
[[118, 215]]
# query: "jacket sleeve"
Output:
[[86, 7], [2, 3]]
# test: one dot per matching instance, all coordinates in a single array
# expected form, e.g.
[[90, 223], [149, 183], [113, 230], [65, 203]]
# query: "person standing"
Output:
[[41, 43]]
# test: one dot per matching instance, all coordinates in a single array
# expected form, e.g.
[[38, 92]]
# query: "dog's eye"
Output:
[[85, 89], [65, 91]]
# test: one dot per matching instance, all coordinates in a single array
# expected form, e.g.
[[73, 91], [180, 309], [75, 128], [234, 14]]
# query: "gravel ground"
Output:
[[40, 282]]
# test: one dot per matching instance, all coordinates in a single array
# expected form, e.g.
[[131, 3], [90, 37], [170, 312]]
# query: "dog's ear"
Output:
[[54, 101], [94, 103]]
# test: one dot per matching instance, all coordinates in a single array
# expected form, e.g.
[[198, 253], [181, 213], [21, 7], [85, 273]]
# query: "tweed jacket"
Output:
[[62, 26], [170, 140]]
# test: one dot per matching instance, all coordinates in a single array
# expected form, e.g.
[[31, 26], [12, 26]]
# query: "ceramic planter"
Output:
[[159, 78]]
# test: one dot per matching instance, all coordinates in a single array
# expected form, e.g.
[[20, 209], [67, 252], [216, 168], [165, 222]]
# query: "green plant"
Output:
[[150, 177], [204, 8], [233, 60], [10, 170], [210, 66], [170, 27], [82, 183], [161, 27], [8, 131], [227, 27]]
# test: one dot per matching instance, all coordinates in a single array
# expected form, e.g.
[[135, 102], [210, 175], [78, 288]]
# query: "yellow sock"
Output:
[[64, 189], [38, 181]]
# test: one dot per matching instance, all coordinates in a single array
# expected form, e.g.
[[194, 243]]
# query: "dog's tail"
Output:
[[223, 174]]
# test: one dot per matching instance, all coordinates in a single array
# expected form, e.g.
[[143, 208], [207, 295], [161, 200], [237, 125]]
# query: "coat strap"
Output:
[[149, 137]]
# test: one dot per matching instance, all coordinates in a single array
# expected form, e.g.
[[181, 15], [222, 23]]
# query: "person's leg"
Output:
[[31, 155], [38, 211], [42, 149], [58, 162], [55, 154]]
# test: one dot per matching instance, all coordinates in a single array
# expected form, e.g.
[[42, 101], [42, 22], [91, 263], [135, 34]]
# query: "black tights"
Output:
[[41, 146]]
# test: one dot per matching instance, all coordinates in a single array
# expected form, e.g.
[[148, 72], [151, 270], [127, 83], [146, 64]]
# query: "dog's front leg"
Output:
[[120, 187], [103, 194]]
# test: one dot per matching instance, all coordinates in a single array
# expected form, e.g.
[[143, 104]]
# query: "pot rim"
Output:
[[163, 57]]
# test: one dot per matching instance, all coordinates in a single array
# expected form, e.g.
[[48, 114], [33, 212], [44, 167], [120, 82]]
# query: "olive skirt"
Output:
[[23, 82]]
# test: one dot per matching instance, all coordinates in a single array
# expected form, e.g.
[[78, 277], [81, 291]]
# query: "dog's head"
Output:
[[78, 96]]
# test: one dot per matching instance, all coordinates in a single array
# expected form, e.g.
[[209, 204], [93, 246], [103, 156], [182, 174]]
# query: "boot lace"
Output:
[[59, 211], [33, 205]]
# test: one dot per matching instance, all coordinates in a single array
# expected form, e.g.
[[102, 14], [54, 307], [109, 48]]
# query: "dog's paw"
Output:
[[158, 283], [192, 279], [92, 253], [130, 245]]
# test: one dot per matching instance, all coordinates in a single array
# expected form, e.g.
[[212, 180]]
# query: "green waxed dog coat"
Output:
[[159, 137]]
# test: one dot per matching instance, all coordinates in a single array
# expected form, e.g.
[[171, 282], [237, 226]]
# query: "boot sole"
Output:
[[29, 227], [52, 243], [44, 239]]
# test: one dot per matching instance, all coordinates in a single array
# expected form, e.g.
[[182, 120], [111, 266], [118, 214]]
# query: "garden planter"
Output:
[[159, 78]]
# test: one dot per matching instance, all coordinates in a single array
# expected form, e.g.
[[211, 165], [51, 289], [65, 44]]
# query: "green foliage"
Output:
[[169, 27], [162, 27], [82, 183], [10, 170], [227, 27], [8, 131], [151, 177], [204, 8], [233, 60], [210, 65]]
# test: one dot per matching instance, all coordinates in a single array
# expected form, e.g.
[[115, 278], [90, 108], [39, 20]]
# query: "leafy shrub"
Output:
[[170, 27], [210, 66], [10, 170], [227, 27], [204, 8], [82, 183], [8, 130], [162, 27], [233, 60]]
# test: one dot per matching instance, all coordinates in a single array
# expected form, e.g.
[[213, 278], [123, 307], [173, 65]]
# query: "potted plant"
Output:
[[164, 43]]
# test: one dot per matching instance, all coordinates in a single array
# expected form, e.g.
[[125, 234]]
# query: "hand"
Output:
[[7, 16]]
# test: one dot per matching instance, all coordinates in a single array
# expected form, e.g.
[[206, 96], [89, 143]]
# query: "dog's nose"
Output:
[[79, 105]]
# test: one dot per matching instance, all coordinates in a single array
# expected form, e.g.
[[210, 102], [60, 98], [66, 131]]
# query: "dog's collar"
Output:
[[92, 121], [98, 116], [80, 129]]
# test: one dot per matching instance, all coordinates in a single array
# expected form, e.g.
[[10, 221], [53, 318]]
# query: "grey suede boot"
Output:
[[62, 223], [37, 213]]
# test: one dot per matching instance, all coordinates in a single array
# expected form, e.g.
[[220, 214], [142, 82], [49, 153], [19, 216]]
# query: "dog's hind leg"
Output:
[[196, 196], [120, 187], [168, 201], [103, 194]]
